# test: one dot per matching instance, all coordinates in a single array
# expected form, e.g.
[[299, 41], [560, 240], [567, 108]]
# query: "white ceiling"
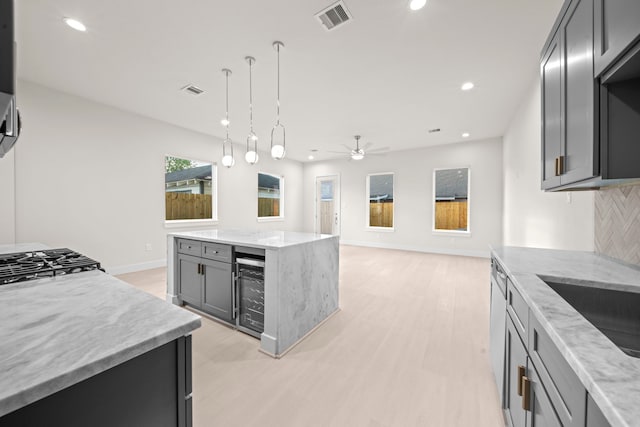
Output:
[[389, 75]]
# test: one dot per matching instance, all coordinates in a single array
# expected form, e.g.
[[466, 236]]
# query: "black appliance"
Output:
[[250, 293], [10, 124], [30, 265]]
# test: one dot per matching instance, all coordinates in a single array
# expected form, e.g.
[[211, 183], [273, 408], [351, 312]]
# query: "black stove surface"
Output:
[[22, 266]]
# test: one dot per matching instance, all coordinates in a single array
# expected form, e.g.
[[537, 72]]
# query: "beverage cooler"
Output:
[[249, 300]]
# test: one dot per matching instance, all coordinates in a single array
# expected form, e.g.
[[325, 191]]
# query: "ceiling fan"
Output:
[[358, 152]]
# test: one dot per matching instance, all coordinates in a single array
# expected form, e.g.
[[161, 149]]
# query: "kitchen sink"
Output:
[[615, 313]]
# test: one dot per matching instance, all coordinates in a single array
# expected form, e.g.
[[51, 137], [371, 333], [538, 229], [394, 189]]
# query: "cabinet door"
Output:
[[190, 280], [217, 299], [616, 28], [551, 81], [595, 418], [515, 368], [580, 94], [541, 412], [564, 388], [497, 317]]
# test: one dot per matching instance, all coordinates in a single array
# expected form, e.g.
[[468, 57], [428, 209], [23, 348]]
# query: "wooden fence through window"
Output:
[[381, 214], [268, 207], [451, 215], [188, 206]]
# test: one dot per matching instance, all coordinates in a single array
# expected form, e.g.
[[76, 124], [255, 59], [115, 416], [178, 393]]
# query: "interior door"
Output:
[[327, 215]]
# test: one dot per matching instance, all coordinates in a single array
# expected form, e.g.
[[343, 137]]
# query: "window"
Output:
[[189, 189], [270, 196], [451, 201], [380, 201]]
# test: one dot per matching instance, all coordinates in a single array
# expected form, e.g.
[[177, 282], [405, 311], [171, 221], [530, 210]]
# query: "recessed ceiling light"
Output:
[[310, 157], [467, 86], [75, 24], [465, 135], [417, 4]]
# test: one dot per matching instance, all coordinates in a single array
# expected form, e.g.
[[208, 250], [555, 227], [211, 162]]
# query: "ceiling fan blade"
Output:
[[378, 150], [347, 147], [367, 145], [376, 154], [339, 152]]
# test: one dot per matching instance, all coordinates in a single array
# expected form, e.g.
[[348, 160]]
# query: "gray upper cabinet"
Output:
[[551, 113], [570, 103], [617, 26]]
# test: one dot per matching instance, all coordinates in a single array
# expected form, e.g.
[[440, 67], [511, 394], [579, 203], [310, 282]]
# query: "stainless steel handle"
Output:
[[250, 261], [234, 284]]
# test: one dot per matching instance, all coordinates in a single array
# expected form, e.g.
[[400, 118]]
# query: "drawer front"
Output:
[[518, 310], [567, 394], [216, 252], [189, 247]]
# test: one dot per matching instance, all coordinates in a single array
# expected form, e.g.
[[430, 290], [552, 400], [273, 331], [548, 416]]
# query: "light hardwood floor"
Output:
[[408, 348]]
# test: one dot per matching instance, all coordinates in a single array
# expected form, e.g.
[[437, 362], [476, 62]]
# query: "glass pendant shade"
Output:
[[251, 156], [227, 144], [252, 149], [278, 136], [227, 153], [277, 142]]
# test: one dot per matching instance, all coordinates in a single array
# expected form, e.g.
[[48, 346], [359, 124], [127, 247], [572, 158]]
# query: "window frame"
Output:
[[461, 233], [181, 223], [280, 217], [367, 195]]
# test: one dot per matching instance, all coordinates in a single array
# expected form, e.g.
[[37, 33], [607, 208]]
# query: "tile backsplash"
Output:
[[617, 223]]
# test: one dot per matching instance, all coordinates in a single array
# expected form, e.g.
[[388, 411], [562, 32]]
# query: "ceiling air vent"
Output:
[[193, 90], [334, 15]]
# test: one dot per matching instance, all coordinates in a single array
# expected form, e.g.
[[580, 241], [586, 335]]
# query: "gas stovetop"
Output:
[[22, 266]]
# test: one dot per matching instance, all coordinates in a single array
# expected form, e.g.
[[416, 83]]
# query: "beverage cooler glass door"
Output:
[[250, 275]]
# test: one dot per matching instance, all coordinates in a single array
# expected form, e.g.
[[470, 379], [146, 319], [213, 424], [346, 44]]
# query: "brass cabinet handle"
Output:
[[526, 393], [559, 165], [199, 268], [521, 374]]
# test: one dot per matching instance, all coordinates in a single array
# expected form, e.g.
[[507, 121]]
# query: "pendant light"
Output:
[[278, 131], [227, 144], [251, 155]]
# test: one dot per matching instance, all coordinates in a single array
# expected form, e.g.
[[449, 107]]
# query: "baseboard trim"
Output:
[[416, 248], [131, 268]]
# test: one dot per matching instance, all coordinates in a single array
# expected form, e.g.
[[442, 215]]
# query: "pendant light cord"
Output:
[[278, 100], [250, 98], [227, 105]]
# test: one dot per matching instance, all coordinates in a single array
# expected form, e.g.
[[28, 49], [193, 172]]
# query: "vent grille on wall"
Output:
[[334, 15], [193, 90]]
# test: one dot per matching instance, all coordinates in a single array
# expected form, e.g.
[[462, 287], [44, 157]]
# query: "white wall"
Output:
[[91, 177], [7, 198], [413, 188], [532, 217]]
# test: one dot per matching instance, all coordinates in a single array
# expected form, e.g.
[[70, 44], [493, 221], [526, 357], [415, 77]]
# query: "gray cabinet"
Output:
[[515, 369], [217, 298], [594, 415], [617, 26], [205, 277], [570, 103], [190, 280], [541, 412]]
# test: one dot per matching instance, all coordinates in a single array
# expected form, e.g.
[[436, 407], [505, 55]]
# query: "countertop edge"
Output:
[[54, 385]]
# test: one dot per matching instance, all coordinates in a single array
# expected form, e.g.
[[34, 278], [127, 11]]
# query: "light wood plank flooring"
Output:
[[408, 348]]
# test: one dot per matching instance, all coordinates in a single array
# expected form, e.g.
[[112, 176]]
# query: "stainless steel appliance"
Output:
[[31, 265], [497, 324], [249, 295], [9, 115]]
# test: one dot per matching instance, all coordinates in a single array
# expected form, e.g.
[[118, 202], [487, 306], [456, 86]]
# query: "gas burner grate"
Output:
[[22, 266]]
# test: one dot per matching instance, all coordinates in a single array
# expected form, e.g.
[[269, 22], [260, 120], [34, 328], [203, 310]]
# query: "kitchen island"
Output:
[[300, 278], [88, 349]]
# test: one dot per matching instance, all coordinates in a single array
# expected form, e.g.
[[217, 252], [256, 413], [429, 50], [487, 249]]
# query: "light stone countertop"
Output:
[[257, 239], [611, 377], [58, 331]]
